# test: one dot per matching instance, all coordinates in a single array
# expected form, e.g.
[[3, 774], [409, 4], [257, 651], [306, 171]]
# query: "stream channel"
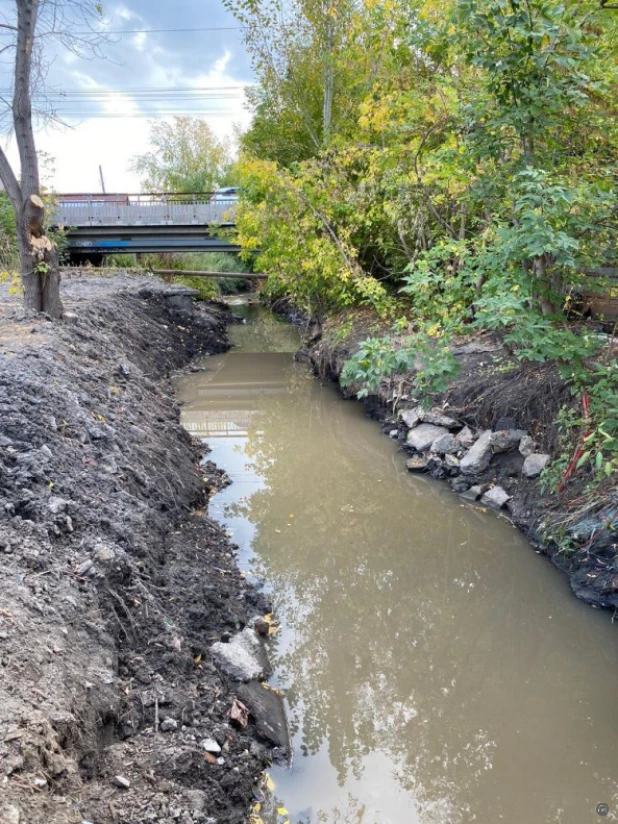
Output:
[[436, 669]]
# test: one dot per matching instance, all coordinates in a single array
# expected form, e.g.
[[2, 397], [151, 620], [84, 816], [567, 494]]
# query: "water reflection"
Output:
[[436, 669]]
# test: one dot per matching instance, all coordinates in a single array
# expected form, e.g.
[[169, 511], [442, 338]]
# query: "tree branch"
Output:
[[10, 182]]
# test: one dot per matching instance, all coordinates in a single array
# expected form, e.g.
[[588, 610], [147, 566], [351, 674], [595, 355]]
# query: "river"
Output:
[[436, 669]]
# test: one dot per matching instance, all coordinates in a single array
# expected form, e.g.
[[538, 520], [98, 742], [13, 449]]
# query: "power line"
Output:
[[145, 31]]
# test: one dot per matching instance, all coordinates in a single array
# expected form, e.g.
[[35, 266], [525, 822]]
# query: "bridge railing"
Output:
[[200, 209]]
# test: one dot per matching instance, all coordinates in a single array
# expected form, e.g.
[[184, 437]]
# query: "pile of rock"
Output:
[[445, 448]]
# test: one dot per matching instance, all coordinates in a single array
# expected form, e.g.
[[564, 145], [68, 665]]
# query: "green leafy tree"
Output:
[[187, 157]]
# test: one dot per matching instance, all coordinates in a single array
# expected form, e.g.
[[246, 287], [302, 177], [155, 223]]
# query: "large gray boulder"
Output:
[[506, 439], [445, 444], [466, 437], [410, 417], [527, 446], [243, 658], [535, 464], [477, 458], [422, 437], [438, 418]]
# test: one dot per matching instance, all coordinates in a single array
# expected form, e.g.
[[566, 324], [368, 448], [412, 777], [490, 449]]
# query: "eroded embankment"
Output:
[[490, 435], [113, 585]]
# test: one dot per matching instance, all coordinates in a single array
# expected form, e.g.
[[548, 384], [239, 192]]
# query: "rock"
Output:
[[437, 417], [243, 658], [417, 463], [451, 461], [445, 444], [57, 505], [411, 417], [422, 437], [262, 627], [466, 437], [435, 466], [496, 497], [534, 464], [9, 814], [473, 494], [86, 568], [394, 434], [169, 725], [266, 707], [478, 457], [210, 745], [506, 439], [527, 446], [505, 423], [458, 484], [121, 782]]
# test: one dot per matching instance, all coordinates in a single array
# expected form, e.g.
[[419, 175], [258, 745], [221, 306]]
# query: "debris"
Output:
[[121, 782], [210, 745], [169, 725], [239, 713]]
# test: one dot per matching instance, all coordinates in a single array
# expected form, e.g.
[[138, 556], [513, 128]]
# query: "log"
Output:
[[193, 274]]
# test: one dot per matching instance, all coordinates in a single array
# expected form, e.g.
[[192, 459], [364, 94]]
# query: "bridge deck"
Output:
[[144, 210], [102, 224]]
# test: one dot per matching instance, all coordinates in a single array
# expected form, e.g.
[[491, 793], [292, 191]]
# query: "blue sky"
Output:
[[181, 62]]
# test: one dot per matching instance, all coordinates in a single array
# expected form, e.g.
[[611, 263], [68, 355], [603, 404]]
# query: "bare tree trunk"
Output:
[[37, 253]]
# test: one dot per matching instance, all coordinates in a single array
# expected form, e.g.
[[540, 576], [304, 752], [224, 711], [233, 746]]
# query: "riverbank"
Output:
[[489, 436], [114, 582]]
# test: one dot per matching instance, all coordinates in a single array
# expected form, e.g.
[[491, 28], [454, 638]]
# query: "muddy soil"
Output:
[[113, 580], [495, 391]]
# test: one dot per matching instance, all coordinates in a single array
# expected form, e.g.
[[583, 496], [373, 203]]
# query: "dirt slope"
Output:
[[112, 585]]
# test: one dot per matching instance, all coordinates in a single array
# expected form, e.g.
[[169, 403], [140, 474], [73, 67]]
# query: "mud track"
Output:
[[113, 582]]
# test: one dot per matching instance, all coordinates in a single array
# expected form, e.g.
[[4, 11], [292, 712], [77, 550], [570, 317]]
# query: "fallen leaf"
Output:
[[270, 784], [198, 659], [282, 811], [239, 713], [208, 756]]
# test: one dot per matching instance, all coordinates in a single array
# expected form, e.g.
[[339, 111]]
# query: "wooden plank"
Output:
[[189, 273]]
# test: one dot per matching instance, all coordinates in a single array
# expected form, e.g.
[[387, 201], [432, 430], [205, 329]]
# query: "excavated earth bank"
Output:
[[113, 583], [489, 436]]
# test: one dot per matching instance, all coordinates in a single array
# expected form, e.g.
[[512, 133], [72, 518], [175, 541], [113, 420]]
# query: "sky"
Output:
[[143, 72]]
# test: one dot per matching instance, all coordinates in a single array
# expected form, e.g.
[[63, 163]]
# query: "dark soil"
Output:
[[493, 390], [113, 580]]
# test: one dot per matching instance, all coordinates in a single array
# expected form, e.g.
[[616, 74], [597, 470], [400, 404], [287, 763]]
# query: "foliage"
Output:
[[425, 353], [465, 178], [186, 157], [8, 234]]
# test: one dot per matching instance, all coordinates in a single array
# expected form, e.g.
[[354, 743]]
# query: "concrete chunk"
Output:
[[243, 658], [410, 417], [506, 439], [422, 437], [437, 417], [478, 457], [445, 444], [535, 464], [495, 497]]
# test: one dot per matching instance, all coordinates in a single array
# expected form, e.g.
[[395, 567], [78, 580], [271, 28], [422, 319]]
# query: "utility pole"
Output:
[[102, 181]]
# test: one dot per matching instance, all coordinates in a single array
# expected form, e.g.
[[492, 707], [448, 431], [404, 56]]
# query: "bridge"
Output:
[[97, 225]]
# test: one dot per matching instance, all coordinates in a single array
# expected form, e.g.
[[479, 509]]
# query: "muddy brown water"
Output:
[[436, 669]]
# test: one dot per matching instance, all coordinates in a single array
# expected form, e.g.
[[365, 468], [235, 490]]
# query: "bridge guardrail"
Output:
[[145, 210]]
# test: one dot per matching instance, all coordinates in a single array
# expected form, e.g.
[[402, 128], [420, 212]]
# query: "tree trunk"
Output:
[[37, 253], [39, 261]]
